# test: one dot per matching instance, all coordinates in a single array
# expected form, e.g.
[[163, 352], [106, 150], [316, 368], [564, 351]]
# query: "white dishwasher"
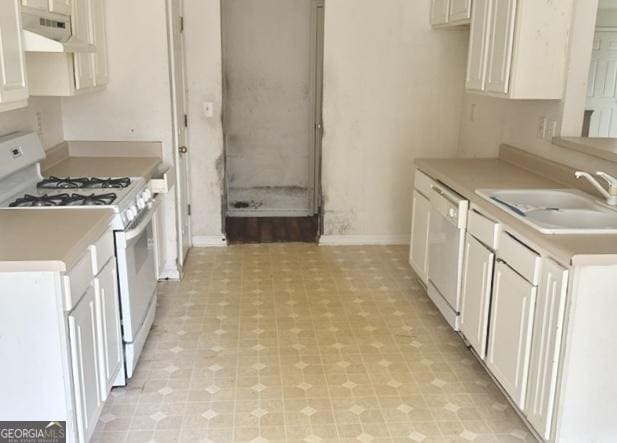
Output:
[[446, 249]]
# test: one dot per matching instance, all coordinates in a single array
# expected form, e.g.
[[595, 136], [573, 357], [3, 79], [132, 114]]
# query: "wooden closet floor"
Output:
[[271, 229]]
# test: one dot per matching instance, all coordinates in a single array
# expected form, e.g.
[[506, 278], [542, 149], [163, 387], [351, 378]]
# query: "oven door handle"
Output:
[[143, 224]]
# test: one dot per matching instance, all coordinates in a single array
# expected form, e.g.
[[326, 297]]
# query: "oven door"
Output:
[[135, 251]]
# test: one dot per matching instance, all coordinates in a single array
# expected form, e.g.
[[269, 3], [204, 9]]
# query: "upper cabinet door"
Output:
[[476, 294], [478, 45], [460, 10], [511, 325], [439, 12], [101, 67], [501, 38], [83, 29], [547, 334], [38, 4], [60, 6], [13, 80]]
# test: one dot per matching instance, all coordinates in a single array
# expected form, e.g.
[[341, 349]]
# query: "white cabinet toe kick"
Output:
[[543, 329]]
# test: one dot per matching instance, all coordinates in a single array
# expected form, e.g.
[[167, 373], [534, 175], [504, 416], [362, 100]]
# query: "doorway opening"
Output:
[[272, 114]]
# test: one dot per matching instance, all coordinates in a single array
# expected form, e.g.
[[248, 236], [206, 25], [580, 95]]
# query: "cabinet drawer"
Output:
[[102, 251], [423, 183], [484, 229], [520, 257], [162, 181], [77, 281]]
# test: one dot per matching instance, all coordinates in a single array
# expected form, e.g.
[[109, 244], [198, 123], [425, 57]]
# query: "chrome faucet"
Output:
[[611, 194]]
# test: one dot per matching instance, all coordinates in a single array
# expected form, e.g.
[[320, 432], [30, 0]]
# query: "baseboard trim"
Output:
[[363, 240], [209, 241]]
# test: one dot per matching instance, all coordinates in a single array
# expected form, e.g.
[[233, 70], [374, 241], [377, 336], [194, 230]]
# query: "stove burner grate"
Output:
[[90, 200], [31, 201], [83, 183]]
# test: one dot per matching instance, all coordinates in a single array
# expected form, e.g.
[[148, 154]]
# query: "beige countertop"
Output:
[[465, 176], [33, 240], [105, 167]]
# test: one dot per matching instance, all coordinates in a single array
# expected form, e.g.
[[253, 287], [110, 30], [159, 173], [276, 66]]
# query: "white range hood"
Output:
[[44, 32], [34, 42]]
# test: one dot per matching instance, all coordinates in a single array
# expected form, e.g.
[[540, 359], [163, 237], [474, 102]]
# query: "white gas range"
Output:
[[22, 187]]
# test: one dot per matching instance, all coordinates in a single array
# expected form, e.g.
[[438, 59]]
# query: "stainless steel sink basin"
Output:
[[555, 211]]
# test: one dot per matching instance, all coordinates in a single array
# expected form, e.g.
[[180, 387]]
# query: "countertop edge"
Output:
[[562, 256]]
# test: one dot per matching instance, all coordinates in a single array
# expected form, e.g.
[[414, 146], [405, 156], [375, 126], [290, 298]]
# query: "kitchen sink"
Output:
[[555, 211]]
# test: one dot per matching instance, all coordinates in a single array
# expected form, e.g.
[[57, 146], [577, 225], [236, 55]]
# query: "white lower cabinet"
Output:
[[511, 327], [108, 326], [420, 222], [547, 336], [476, 294], [85, 364]]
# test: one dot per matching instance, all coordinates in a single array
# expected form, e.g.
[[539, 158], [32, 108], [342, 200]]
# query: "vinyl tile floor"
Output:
[[302, 343]]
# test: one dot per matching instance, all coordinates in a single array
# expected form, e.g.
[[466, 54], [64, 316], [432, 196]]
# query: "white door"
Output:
[[182, 153], [269, 66], [602, 87], [82, 29], [99, 22], [460, 10], [501, 38], [84, 357], [439, 12], [13, 83], [511, 325], [420, 222], [108, 326], [38, 4], [545, 353], [62, 6], [476, 294], [478, 45]]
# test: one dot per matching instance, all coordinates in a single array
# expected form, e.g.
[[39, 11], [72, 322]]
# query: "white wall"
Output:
[[204, 78], [393, 91], [42, 113], [136, 105]]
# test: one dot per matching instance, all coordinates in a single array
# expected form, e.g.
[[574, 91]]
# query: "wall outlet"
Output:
[[551, 129], [39, 124], [472, 112], [542, 123]]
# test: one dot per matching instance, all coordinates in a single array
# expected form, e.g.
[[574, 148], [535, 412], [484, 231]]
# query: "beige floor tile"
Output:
[[299, 343]]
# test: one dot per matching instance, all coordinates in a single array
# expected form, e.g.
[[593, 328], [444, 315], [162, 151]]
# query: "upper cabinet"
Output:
[[68, 74], [519, 48], [450, 12], [60, 6], [13, 83]]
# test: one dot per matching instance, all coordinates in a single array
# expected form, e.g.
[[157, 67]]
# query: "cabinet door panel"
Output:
[[439, 12], [511, 328], [13, 83], [460, 10], [548, 327], [82, 29], [503, 15], [478, 45], [38, 4], [419, 235], [108, 325], [101, 67], [60, 6], [84, 357], [476, 294]]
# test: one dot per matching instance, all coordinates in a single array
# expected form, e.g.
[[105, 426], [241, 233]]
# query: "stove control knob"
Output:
[[130, 215], [141, 203], [147, 195]]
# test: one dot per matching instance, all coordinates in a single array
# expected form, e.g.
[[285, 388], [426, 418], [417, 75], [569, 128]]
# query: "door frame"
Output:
[[174, 71], [316, 54]]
